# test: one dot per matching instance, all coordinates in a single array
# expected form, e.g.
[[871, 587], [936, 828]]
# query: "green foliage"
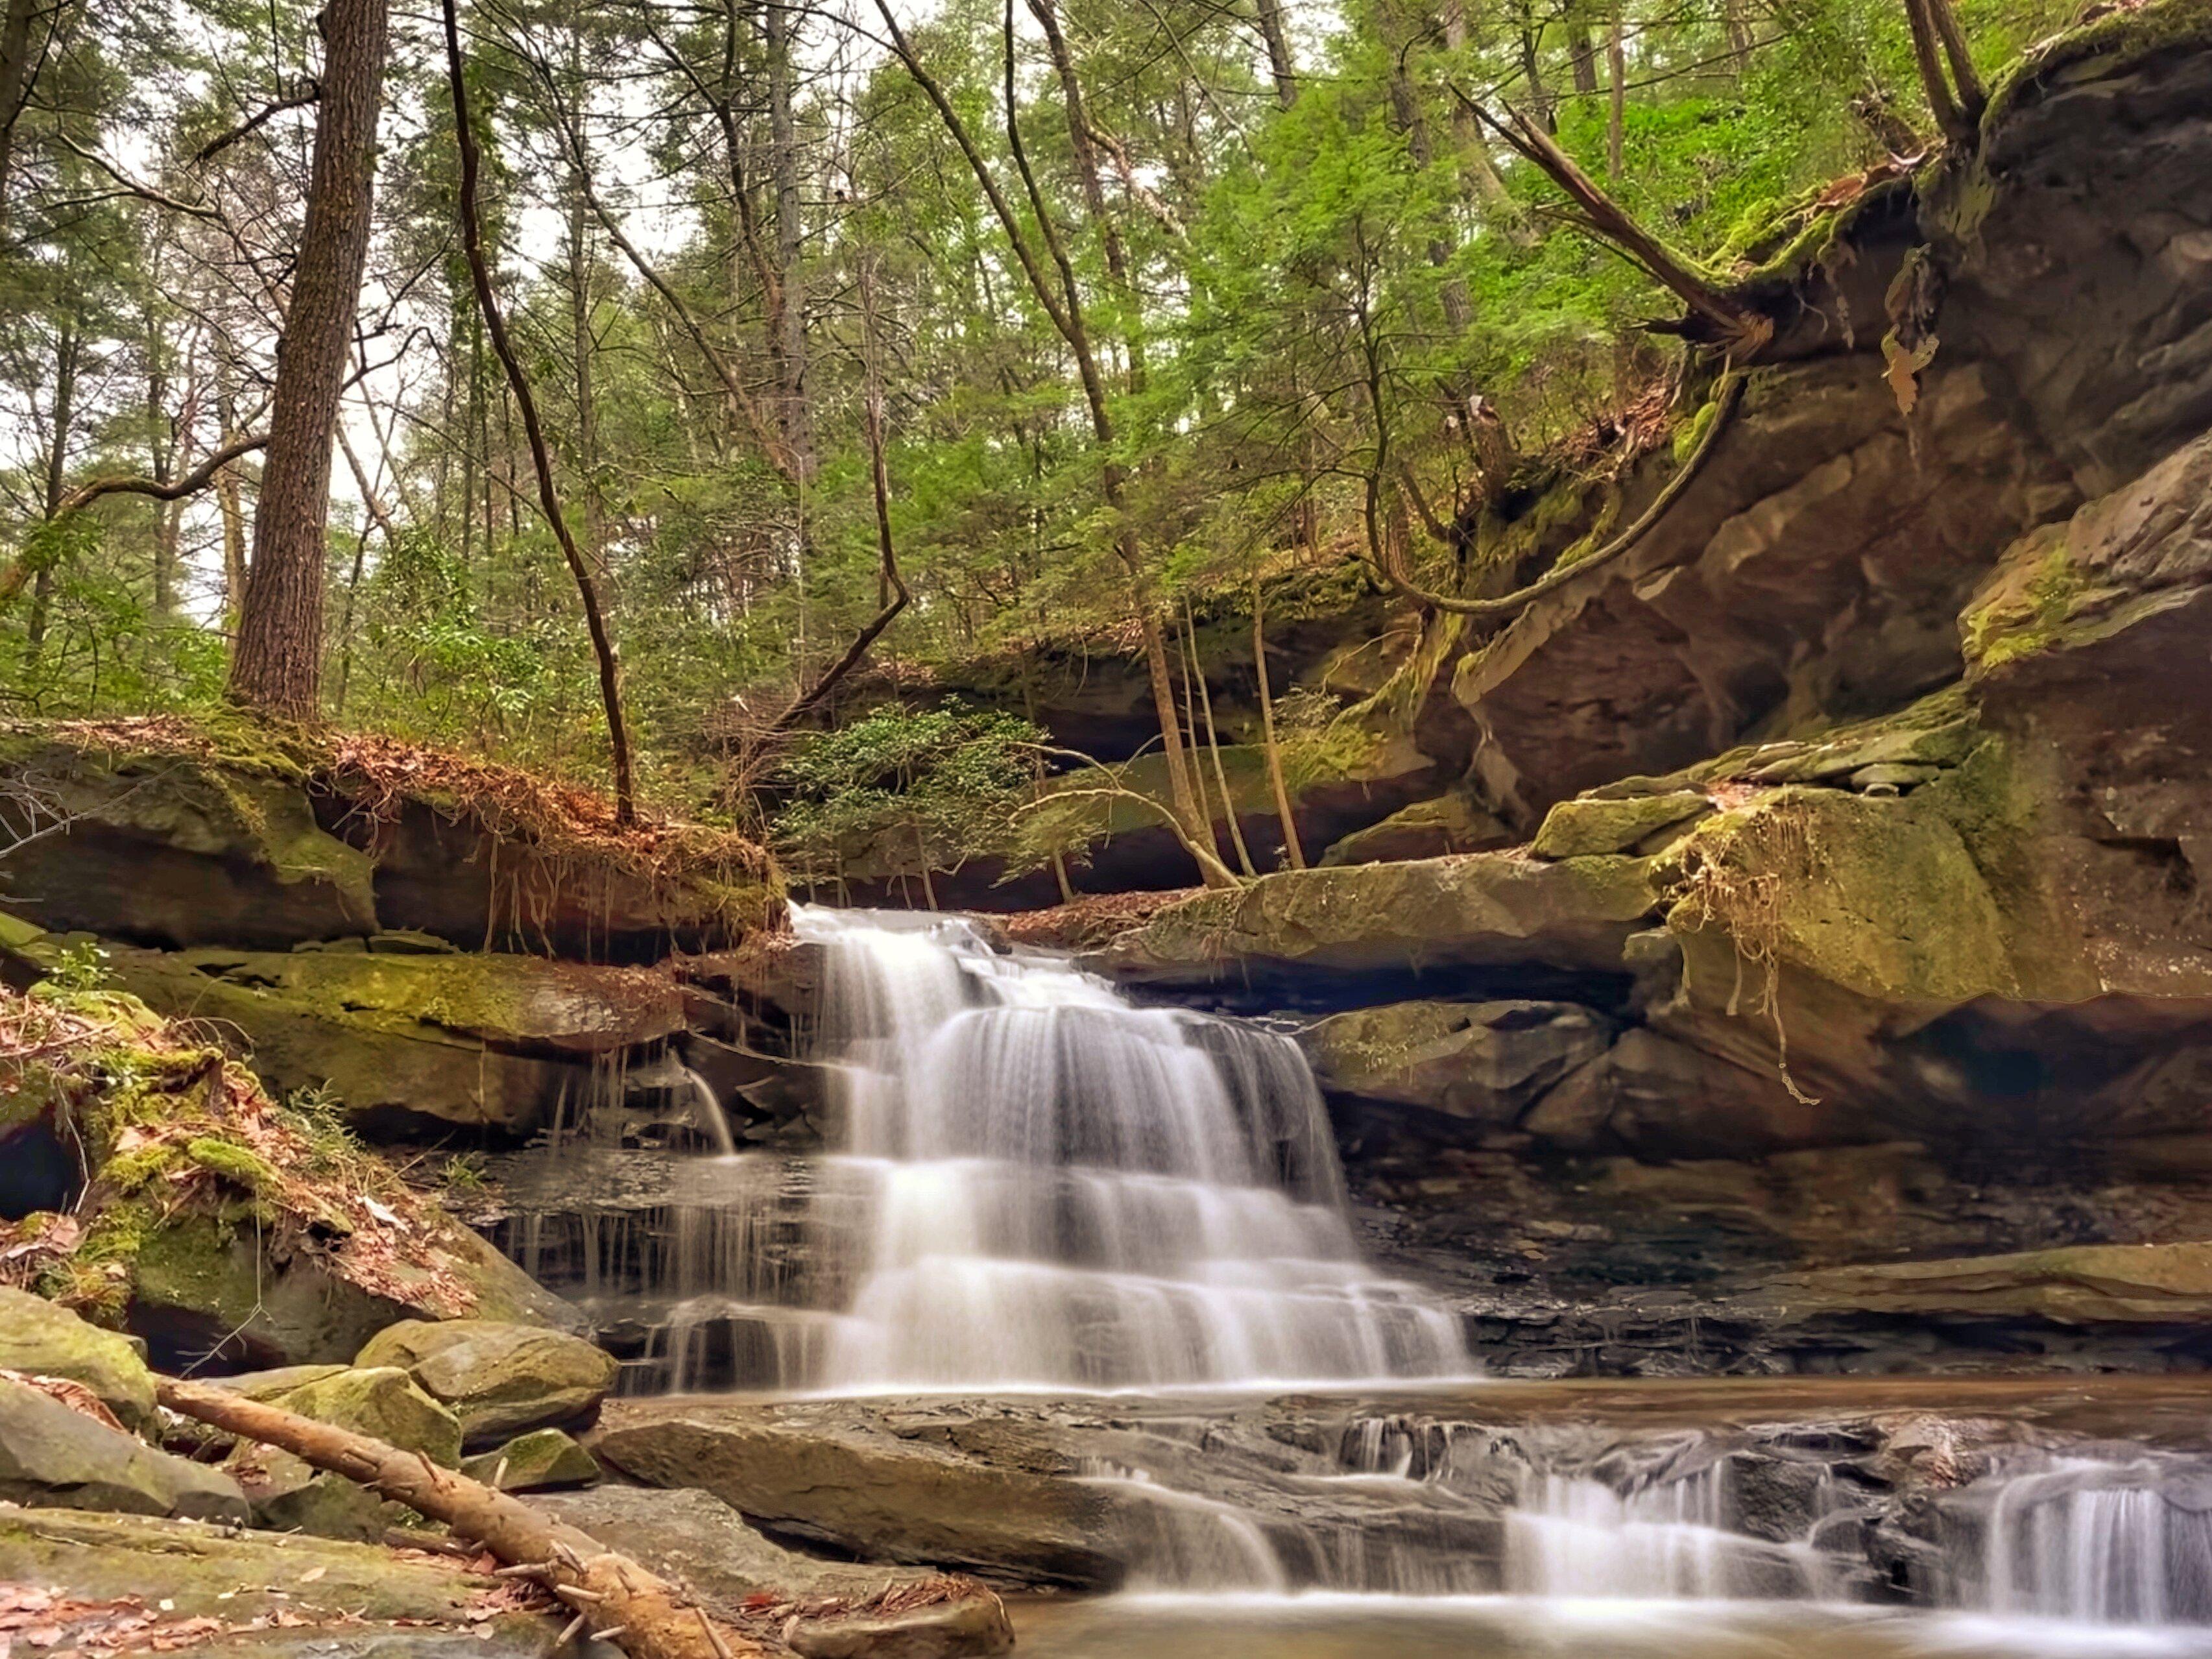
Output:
[[943, 784]]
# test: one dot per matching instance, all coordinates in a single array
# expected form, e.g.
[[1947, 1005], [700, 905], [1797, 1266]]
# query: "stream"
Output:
[[1124, 1230]]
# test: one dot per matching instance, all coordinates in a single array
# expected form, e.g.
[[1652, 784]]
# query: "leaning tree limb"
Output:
[[1507, 605], [612, 1596], [1741, 327]]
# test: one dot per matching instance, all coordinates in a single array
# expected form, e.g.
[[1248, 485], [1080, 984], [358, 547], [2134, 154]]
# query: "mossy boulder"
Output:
[[290, 1495], [40, 1338], [170, 846], [382, 1402], [218, 1223], [1482, 907], [1579, 828], [544, 1459], [199, 1280], [498, 1378], [53, 1455], [495, 1041], [225, 1573]]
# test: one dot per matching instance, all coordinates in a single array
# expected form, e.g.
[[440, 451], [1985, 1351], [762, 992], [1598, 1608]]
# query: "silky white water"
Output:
[[1069, 1191]]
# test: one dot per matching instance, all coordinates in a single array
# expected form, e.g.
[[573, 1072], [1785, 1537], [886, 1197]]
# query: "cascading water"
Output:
[[1073, 1192]]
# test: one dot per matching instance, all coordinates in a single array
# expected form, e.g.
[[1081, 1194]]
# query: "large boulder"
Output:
[[200, 1285], [40, 1338], [814, 1474], [51, 1455], [382, 1402], [175, 1583], [544, 1459], [497, 1378]]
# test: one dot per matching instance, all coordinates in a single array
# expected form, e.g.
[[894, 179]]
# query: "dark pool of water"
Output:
[[1508, 1627]]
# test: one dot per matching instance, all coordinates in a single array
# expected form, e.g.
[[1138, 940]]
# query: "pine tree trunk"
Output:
[[15, 83], [277, 668]]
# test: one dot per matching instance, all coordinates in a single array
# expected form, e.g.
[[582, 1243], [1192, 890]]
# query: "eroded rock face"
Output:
[[1484, 1062]]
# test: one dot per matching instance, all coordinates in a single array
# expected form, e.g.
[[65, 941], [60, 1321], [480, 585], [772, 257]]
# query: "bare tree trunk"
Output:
[[229, 497], [66, 355], [1291, 848], [549, 497], [277, 666], [1581, 50], [1194, 668], [1280, 64], [790, 240]]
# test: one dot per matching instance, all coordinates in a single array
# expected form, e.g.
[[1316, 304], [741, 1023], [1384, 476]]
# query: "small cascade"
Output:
[[1575, 1536], [707, 1111], [2097, 1541], [1074, 1192]]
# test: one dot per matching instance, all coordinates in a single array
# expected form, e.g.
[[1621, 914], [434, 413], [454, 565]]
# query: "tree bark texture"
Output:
[[277, 666]]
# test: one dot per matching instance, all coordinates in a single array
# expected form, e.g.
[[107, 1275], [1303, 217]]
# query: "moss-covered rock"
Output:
[[1479, 908], [381, 1401], [495, 1040], [42, 1340], [498, 1378], [216, 1222], [225, 831], [544, 1459], [1578, 828], [53, 1455]]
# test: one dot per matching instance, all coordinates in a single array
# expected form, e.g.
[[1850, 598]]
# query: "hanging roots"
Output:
[[1739, 885]]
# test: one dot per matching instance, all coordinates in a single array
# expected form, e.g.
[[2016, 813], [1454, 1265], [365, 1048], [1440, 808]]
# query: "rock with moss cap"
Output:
[[220, 831], [544, 1459], [40, 1338], [382, 1402], [1577, 828], [498, 1378], [1478, 908], [51, 1455]]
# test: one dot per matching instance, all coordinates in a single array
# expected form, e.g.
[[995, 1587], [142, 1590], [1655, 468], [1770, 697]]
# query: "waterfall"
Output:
[[2098, 1541], [1069, 1191]]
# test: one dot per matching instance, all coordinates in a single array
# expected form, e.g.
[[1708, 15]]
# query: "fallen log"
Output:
[[613, 1597]]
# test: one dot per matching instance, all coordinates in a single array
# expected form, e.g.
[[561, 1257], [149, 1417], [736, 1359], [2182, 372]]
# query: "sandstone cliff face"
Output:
[[1864, 799]]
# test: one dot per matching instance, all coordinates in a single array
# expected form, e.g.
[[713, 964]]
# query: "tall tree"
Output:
[[277, 666]]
